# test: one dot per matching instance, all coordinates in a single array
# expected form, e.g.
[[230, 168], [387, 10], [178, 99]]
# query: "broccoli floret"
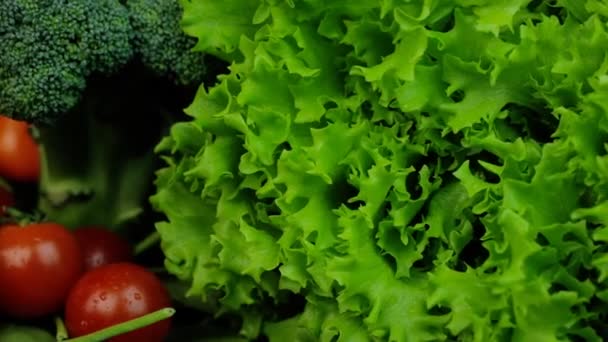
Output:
[[108, 35], [49, 48], [160, 42]]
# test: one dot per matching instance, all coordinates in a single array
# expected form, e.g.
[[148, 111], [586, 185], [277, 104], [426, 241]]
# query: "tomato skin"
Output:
[[19, 153], [39, 263], [6, 199], [115, 293], [101, 246]]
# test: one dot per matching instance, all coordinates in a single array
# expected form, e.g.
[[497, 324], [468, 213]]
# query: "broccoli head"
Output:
[[160, 42], [50, 47]]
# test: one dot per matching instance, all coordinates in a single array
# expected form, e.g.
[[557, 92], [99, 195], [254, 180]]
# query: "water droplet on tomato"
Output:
[[137, 296], [102, 296]]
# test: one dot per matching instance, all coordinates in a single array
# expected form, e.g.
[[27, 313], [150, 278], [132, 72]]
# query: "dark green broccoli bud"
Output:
[[160, 42], [108, 35], [49, 48]]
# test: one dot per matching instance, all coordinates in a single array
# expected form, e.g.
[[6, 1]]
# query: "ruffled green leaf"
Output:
[[409, 170]]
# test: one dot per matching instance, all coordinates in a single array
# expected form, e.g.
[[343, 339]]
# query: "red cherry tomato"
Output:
[[101, 246], [115, 293], [39, 263], [19, 153], [6, 199]]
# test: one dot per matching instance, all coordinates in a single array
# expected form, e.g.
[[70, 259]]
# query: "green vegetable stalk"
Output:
[[98, 160], [407, 170]]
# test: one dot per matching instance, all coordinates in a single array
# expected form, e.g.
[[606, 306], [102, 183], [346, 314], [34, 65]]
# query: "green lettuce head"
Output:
[[409, 170]]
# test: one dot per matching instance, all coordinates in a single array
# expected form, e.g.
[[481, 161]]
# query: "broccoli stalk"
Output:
[[97, 159]]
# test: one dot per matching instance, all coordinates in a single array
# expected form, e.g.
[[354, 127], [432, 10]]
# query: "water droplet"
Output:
[[102, 296], [137, 296], [84, 324]]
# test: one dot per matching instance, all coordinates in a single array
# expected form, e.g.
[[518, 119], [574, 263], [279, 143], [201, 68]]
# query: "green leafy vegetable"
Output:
[[411, 170]]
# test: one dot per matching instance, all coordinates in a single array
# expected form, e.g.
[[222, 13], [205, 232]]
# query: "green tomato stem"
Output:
[[16, 216], [62, 332], [146, 243], [34, 133], [125, 327]]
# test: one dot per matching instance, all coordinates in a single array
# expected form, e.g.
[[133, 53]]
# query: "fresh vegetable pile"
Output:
[[414, 170], [85, 75], [45, 269], [397, 170]]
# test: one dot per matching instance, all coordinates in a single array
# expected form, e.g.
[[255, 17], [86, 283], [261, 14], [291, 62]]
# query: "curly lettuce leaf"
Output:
[[406, 170]]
